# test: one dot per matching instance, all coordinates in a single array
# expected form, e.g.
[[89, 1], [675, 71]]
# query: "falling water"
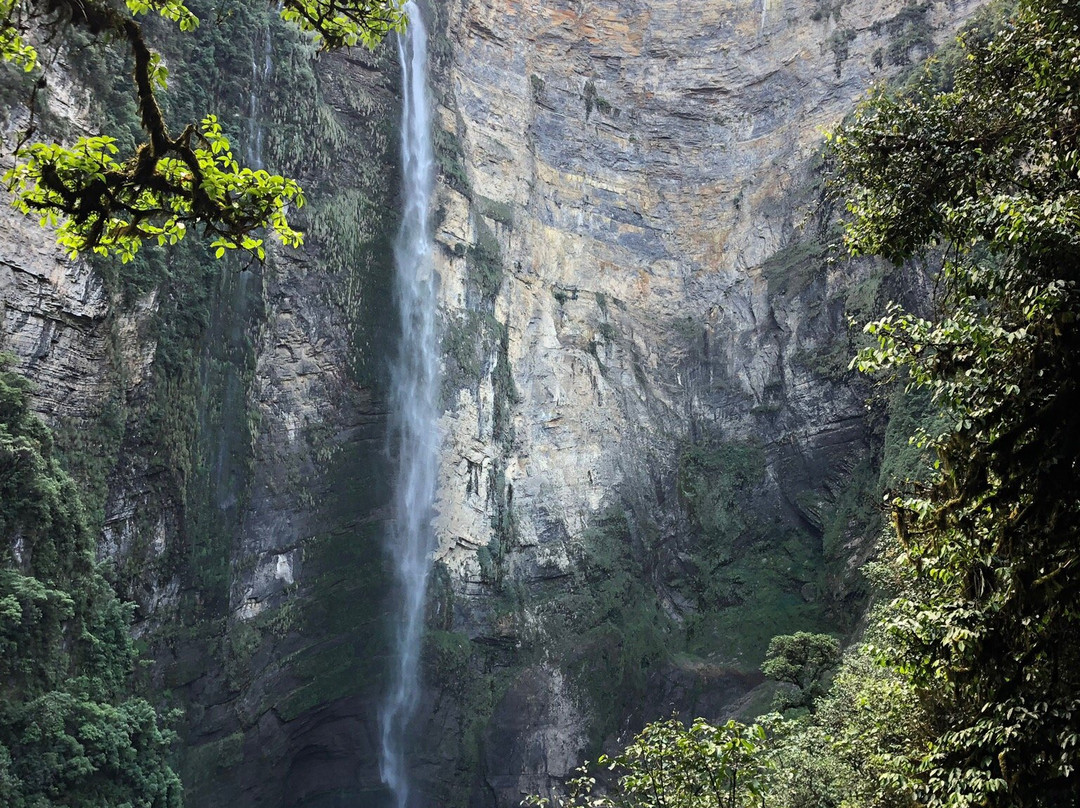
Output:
[[414, 412], [260, 74]]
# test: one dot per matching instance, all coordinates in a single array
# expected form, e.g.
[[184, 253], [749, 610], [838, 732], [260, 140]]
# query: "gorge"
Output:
[[652, 455]]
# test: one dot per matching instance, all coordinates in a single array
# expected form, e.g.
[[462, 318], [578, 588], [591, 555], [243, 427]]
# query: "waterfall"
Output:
[[259, 77], [414, 407]]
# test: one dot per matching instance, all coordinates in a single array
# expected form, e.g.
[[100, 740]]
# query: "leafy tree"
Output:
[[671, 765], [109, 203], [802, 660], [856, 746], [987, 173], [70, 732]]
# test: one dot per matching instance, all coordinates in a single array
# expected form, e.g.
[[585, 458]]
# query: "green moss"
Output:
[[501, 212], [451, 158], [713, 479], [350, 231], [446, 659], [16, 87], [866, 297], [593, 100], [214, 759], [823, 10], [346, 585], [537, 85], [904, 461], [88, 450], [484, 264], [463, 344], [740, 635], [610, 628], [791, 270], [346, 603], [856, 512], [907, 30], [506, 394], [749, 575], [472, 677], [839, 42]]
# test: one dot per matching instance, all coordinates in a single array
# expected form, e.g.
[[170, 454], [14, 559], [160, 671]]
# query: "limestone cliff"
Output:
[[647, 179]]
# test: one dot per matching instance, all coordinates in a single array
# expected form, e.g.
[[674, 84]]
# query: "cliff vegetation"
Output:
[[239, 478], [71, 730]]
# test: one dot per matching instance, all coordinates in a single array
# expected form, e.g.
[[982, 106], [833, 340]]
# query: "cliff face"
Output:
[[647, 178], [227, 420], [653, 455], [649, 175]]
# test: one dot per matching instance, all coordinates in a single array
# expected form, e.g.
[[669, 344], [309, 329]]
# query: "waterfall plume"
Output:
[[414, 408]]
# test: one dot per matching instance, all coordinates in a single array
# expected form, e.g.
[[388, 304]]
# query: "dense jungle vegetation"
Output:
[[965, 687], [71, 733]]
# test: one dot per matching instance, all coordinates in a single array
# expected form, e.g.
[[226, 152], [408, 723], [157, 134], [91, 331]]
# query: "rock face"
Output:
[[228, 424], [642, 167], [648, 178], [653, 456], [53, 310]]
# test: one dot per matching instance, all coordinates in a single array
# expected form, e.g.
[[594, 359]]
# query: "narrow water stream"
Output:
[[260, 76], [413, 408]]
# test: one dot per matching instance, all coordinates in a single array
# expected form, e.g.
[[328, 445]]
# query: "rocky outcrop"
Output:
[[644, 170], [284, 710], [55, 311]]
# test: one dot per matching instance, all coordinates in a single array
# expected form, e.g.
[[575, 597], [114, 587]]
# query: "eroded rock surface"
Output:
[[650, 177]]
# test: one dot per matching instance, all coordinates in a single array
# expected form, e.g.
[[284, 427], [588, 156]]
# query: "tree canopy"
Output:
[[987, 174], [70, 732], [109, 203], [802, 660], [673, 765]]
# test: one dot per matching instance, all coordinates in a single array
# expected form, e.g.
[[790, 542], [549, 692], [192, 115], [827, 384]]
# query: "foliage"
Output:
[[855, 747], [614, 628], [802, 660], [671, 765], [110, 205], [70, 733], [712, 480], [985, 631], [792, 269], [745, 569], [338, 24], [908, 29]]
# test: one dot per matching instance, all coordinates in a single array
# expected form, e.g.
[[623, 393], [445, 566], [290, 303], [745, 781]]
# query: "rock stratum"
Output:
[[654, 457]]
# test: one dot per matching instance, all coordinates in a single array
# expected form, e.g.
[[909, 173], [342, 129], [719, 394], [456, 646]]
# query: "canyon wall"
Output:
[[663, 352], [654, 456]]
